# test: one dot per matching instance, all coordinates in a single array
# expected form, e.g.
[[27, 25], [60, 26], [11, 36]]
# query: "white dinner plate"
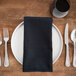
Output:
[[18, 37]]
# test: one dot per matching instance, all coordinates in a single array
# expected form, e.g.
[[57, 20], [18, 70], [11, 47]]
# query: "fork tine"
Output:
[[5, 32], [0, 39]]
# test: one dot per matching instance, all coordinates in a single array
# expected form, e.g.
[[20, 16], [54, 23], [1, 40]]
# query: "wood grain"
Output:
[[12, 13]]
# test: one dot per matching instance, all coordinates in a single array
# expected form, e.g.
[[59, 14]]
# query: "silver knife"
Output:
[[67, 61]]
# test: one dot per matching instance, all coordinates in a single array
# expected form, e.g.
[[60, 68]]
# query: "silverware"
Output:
[[0, 51], [73, 38], [67, 61], [6, 38]]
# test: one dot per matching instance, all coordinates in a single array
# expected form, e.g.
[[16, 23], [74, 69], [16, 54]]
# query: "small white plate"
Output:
[[17, 43]]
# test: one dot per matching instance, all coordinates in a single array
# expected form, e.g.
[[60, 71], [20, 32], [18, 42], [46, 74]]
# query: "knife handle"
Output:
[[67, 62], [74, 58]]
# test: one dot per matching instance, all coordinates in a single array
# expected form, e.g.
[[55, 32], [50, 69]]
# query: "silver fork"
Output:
[[0, 51], [6, 38]]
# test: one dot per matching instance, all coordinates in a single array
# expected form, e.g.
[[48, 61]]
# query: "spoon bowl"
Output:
[[73, 37]]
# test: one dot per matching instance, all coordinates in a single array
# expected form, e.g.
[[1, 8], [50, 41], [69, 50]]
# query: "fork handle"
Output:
[[6, 62], [74, 58]]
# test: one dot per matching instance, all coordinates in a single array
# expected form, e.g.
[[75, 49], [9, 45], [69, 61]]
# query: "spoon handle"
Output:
[[74, 58]]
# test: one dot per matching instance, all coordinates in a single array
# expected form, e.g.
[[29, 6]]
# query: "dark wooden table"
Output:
[[12, 12]]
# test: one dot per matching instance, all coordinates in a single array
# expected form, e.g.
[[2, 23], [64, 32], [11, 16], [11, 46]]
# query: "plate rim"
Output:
[[54, 27], [61, 43]]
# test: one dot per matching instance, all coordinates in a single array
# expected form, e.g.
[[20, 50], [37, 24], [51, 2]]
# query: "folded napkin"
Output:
[[37, 44]]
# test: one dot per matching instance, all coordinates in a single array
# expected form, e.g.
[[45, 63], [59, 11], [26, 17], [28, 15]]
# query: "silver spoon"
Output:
[[73, 38]]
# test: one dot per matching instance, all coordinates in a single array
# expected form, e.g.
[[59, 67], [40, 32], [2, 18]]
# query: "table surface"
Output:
[[12, 13]]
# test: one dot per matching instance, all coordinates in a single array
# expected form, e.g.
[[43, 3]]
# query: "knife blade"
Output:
[[66, 34], [67, 61]]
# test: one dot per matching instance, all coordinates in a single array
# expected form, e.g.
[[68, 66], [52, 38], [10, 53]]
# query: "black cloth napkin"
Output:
[[37, 44]]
